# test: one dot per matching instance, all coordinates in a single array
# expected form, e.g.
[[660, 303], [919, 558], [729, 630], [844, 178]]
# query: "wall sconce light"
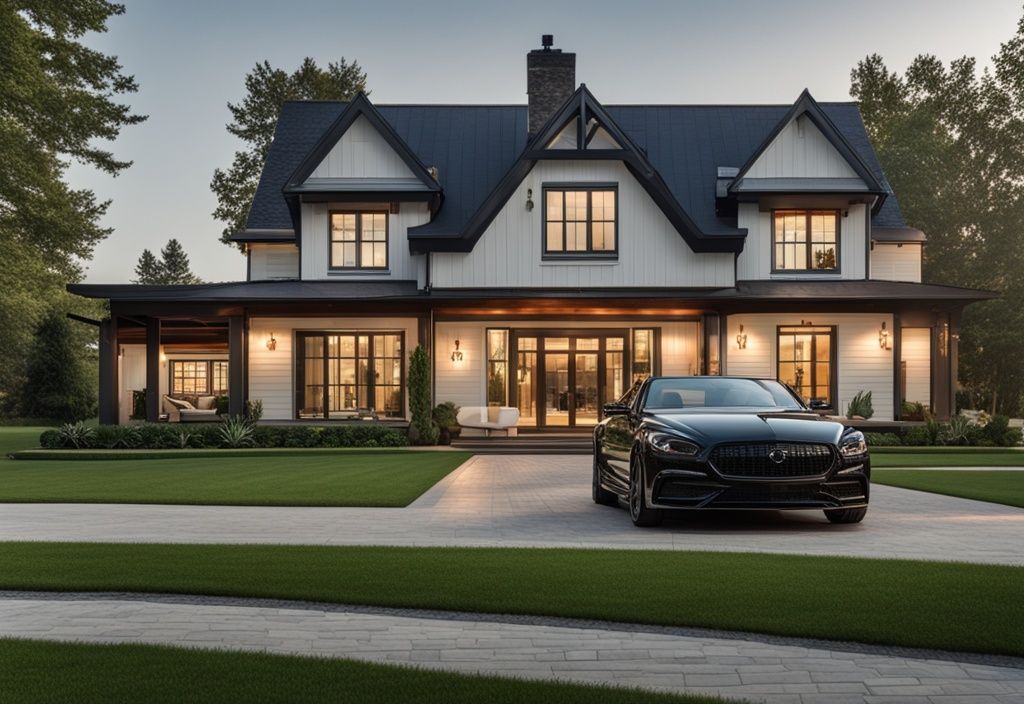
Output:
[[529, 199], [741, 339], [163, 357], [883, 337], [272, 342], [456, 353]]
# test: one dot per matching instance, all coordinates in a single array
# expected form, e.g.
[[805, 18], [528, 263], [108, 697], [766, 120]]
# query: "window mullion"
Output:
[[590, 222], [565, 224]]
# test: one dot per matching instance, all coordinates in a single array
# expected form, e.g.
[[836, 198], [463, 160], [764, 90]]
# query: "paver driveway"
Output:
[[528, 500]]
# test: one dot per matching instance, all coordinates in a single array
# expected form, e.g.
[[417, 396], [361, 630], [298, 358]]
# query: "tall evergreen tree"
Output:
[[147, 271], [254, 119], [951, 140], [174, 266], [57, 384], [57, 97]]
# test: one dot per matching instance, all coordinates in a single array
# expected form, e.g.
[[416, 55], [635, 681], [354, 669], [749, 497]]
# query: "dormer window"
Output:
[[805, 240], [359, 240], [580, 221]]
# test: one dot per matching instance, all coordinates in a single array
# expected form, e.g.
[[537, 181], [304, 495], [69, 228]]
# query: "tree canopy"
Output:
[[254, 119], [951, 140], [59, 101], [171, 268]]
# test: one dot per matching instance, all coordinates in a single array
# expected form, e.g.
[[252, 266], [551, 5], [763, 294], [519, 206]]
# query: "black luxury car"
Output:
[[711, 442]]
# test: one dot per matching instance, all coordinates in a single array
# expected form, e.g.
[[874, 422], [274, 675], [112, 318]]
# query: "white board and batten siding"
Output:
[[268, 262], [465, 381], [316, 242], [800, 150], [651, 251], [362, 153], [896, 262], [862, 364], [755, 262], [916, 351], [271, 372]]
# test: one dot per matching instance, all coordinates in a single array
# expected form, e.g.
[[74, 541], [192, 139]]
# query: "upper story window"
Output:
[[806, 240], [580, 221], [359, 240]]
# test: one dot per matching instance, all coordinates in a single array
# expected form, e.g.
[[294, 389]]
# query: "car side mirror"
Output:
[[616, 409]]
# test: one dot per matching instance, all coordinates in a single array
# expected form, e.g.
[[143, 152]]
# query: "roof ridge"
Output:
[[607, 105]]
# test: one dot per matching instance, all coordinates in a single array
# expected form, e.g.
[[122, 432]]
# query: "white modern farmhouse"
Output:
[[547, 255]]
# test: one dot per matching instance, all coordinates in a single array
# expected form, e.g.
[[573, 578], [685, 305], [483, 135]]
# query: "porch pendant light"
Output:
[[456, 353], [883, 337], [272, 343], [741, 339]]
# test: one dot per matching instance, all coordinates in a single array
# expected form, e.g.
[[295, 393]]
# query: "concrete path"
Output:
[[732, 667], [528, 500]]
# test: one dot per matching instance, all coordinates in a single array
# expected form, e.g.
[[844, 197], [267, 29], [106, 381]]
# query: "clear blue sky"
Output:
[[190, 58]]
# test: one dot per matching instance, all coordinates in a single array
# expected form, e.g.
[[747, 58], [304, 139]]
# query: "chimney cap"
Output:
[[546, 41]]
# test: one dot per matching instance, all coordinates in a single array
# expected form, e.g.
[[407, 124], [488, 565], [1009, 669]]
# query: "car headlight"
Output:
[[672, 445], [853, 445]]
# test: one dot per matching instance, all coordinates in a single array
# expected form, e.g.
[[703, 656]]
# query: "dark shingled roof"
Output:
[[473, 146]]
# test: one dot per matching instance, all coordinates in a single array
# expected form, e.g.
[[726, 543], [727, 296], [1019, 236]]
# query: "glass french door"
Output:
[[345, 374], [563, 380]]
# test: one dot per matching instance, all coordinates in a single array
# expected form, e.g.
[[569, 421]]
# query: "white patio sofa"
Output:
[[476, 417]]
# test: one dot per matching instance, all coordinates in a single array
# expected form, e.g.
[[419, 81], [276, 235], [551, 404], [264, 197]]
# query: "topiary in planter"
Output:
[[424, 430], [860, 406]]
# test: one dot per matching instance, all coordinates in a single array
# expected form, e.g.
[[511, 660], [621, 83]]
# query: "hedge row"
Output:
[[164, 436]]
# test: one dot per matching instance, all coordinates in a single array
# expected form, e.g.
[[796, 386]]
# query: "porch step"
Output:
[[538, 444]]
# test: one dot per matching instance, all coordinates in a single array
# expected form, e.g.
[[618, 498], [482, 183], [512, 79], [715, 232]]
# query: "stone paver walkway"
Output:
[[524, 500], [740, 668]]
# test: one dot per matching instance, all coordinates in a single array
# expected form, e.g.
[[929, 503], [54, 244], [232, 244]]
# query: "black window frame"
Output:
[[359, 240], [299, 358], [808, 212], [833, 361], [209, 363], [589, 252]]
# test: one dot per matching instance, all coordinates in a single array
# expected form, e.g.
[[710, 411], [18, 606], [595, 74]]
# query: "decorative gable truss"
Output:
[[805, 154], [361, 158], [581, 129]]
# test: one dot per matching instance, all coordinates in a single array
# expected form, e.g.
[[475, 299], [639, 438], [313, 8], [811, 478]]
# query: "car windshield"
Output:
[[718, 392]]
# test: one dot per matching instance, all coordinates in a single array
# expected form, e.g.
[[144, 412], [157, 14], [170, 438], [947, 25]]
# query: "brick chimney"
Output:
[[550, 80]]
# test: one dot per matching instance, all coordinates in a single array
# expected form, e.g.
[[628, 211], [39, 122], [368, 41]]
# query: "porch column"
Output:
[[943, 387], [897, 367], [236, 365], [108, 392], [153, 370]]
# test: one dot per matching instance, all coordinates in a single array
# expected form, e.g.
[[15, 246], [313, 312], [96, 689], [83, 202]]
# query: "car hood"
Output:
[[712, 427]]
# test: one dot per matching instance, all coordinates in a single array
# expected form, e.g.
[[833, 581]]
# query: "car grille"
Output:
[[753, 460], [766, 493], [844, 490]]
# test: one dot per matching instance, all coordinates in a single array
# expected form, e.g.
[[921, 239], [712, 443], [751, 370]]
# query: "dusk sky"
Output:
[[190, 58]]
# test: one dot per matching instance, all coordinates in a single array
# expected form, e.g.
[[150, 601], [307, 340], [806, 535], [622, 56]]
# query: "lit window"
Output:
[[805, 363], [359, 240], [580, 221], [806, 240]]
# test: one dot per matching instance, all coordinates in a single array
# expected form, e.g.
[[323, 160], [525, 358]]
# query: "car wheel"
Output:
[[601, 495], [846, 515], [642, 515]]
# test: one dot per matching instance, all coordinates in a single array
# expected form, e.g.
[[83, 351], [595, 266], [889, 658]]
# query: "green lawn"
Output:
[[946, 457], [1000, 487], [949, 606], [40, 672], [352, 478], [14, 438]]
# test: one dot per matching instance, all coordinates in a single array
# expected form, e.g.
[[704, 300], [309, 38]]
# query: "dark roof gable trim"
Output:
[[582, 105], [806, 104], [360, 106]]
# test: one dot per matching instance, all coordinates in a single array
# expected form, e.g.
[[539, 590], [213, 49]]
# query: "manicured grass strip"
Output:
[[946, 457], [14, 438], [999, 487], [948, 606], [376, 478], [104, 455], [40, 672]]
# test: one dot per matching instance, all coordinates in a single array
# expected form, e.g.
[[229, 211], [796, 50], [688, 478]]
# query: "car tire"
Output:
[[642, 515], [846, 515], [601, 495]]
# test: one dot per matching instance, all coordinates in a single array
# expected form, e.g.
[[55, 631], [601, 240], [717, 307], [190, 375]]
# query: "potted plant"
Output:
[[495, 394], [446, 416]]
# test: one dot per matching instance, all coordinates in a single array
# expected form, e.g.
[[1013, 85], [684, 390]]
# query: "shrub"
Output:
[[138, 405], [223, 405], [50, 440], [57, 384], [424, 430], [999, 433], [861, 406], [77, 435], [935, 431], [446, 416], [113, 437], [882, 439], [254, 410], [960, 431], [913, 410], [917, 436], [236, 431]]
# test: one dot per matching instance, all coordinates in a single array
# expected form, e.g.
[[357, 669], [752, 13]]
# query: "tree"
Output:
[[147, 271], [57, 384], [423, 429], [951, 140], [57, 97], [254, 120], [172, 267]]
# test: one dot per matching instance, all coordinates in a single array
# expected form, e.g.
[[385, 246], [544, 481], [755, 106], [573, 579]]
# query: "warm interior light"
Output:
[[456, 353], [272, 343], [741, 339]]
